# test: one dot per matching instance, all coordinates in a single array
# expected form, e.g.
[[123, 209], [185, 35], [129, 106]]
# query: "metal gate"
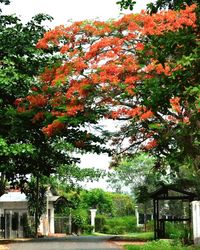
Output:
[[62, 225], [12, 224]]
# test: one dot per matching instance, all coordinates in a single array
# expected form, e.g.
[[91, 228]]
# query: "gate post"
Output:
[[196, 221], [93, 215]]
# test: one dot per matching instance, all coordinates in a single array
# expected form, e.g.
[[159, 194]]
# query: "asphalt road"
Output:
[[66, 243]]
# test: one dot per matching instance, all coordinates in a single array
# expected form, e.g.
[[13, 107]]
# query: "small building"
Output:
[[14, 217], [172, 205]]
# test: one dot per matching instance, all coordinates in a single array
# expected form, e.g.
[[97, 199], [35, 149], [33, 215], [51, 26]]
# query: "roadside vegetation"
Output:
[[161, 245]]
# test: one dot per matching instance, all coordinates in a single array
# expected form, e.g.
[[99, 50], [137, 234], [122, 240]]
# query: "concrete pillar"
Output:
[[70, 222], [196, 221], [47, 222], [93, 215], [10, 218], [137, 216], [51, 222]]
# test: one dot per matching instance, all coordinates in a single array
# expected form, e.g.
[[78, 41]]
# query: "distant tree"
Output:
[[129, 173], [99, 199], [123, 204]]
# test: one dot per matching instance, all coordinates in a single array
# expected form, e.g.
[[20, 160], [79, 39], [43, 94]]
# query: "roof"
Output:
[[20, 197], [53, 198], [170, 191], [13, 197]]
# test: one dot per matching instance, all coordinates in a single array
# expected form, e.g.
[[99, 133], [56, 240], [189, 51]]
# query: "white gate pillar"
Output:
[[51, 223], [196, 221], [93, 215], [137, 215]]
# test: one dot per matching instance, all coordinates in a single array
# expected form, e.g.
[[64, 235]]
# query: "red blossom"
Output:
[[151, 144]]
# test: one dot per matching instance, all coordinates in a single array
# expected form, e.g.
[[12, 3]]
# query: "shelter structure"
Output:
[[171, 205]]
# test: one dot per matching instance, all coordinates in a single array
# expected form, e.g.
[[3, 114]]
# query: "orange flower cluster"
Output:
[[53, 128], [124, 112], [141, 112], [73, 110], [37, 100], [151, 144], [158, 68], [148, 114], [175, 103], [38, 117], [166, 21]]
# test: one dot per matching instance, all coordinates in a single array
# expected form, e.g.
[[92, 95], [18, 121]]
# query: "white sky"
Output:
[[63, 10], [76, 10]]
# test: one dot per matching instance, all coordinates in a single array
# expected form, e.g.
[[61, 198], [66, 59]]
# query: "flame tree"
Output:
[[142, 69]]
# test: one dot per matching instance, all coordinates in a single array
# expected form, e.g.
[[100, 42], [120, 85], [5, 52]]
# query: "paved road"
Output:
[[67, 243]]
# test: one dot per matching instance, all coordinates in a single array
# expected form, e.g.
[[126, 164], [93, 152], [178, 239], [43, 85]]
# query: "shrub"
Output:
[[121, 225], [79, 219], [88, 229], [178, 231], [150, 225], [118, 230], [100, 222], [106, 229]]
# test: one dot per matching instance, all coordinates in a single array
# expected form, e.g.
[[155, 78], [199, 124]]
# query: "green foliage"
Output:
[[27, 228], [153, 7], [100, 222], [80, 219], [161, 244], [123, 204], [31, 194], [97, 198], [15, 149], [138, 173], [178, 231], [87, 229], [36, 197], [69, 176], [19, 63], [126, 4], [155, 245], [120, 225]]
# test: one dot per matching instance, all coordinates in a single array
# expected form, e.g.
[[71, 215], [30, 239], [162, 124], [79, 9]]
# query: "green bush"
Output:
[[79, 219], [150, 225], [118, 230], [106, 229], [121, 225], [178, 231], [87, 229], [100, 222]]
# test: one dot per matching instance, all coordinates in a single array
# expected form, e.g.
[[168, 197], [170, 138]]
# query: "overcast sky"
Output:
[[63, 10], [75, 10]]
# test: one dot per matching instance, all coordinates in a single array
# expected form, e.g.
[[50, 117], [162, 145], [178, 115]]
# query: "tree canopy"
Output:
[[19, 64], [142, 69]]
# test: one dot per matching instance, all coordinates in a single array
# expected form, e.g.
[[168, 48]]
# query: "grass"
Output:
[[161, 245], [142, 236]]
